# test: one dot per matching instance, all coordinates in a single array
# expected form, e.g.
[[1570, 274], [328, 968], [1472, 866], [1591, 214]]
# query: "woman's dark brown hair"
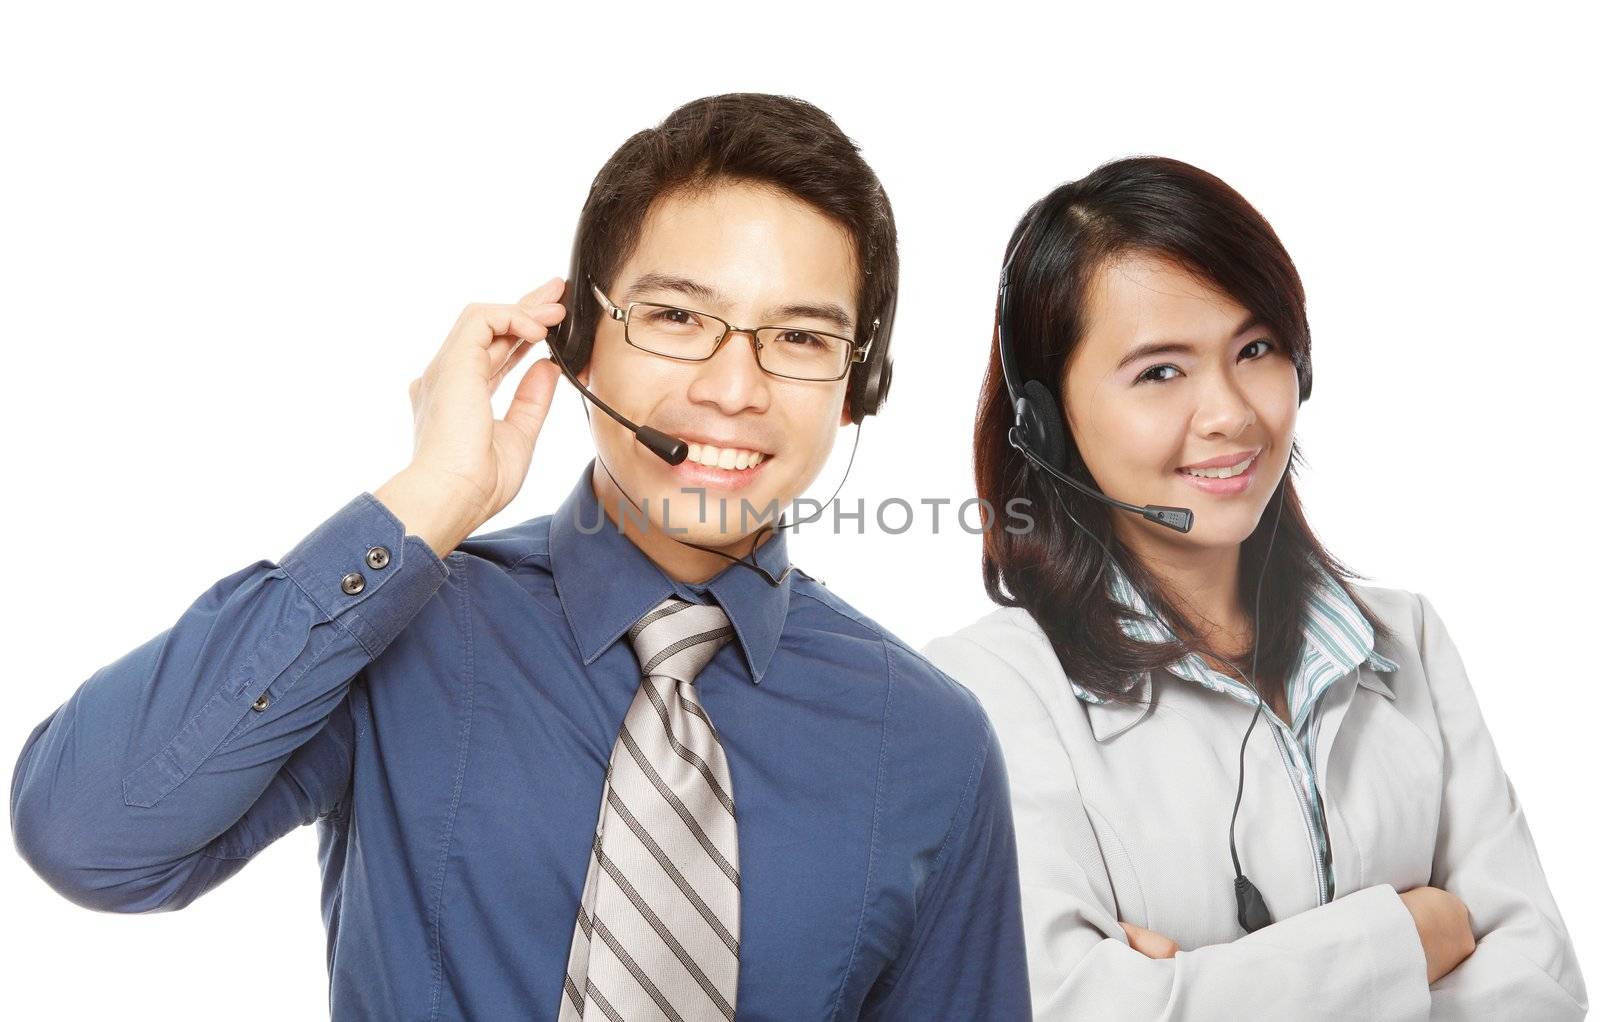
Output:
[[1166, 208]]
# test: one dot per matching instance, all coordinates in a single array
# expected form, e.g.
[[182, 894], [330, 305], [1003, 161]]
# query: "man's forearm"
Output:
[[429, 510], [117, 795]]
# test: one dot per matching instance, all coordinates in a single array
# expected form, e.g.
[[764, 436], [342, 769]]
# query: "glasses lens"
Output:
[[804, 354], [668, 330]]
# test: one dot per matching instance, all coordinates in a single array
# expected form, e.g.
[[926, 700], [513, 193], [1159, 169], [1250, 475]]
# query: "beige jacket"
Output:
[[1122, 814]]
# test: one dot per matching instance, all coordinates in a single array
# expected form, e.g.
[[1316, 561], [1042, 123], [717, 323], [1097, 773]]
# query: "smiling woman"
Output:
[[1161, 328], [1172, 323]]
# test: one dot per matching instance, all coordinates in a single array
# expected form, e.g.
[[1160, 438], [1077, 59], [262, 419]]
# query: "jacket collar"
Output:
[[605, 583], [1109, 719], [1337, 638]]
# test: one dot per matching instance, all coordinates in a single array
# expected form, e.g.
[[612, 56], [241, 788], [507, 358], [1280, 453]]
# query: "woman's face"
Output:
[[1173, 375]]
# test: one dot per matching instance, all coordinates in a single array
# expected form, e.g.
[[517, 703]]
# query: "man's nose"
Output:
[[732, 379]]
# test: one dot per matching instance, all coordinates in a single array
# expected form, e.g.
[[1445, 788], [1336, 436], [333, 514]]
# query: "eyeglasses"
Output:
[[794, 353]]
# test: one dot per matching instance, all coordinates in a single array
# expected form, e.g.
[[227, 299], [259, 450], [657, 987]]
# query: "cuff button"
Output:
[[352, 583], [261, 704], [378, 557]]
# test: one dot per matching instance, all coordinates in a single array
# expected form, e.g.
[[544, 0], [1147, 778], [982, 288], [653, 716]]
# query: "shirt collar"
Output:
[[606, 583], [1338, 638]]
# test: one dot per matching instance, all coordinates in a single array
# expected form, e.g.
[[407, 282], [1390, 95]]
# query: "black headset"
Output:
[[572, 340], [1039, 431], [1039, 435]]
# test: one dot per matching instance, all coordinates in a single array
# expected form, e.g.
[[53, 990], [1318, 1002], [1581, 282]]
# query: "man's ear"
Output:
[[844, 413]]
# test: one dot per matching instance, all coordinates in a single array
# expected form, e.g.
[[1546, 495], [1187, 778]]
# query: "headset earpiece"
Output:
[[869, 381], [574, 323], [1042, 424], [867, 386]]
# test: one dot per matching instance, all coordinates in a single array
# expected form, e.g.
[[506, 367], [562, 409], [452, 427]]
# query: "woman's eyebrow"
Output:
[[1182, 347], [1156, 348]]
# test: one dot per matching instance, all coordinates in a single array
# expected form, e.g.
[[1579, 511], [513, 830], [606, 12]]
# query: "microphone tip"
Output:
[[668, 448], [1179, 519]]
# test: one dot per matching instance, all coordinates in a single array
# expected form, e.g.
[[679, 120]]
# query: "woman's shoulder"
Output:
[[1003, 649], [1400, 612], [1429, 677], [1394, 606]]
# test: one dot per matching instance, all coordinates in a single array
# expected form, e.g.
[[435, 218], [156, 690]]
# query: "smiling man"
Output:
[[586, 767], [759, 410]]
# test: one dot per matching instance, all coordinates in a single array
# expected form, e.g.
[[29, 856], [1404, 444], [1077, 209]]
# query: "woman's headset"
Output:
[[1039, 435]]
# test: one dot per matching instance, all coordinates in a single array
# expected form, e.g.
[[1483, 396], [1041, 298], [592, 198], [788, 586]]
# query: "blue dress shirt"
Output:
[[447, 725]]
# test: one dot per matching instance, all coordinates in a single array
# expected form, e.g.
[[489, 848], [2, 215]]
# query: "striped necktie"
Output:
[[657, 935]]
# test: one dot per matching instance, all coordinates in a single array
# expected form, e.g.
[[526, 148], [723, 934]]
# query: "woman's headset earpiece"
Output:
[[1039, 434], [1039, 427]]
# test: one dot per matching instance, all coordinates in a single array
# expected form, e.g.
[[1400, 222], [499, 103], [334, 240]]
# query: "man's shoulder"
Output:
[[917, 692], [492, 572], [524, 546]]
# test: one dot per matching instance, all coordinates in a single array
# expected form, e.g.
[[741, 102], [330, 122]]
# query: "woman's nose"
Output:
[[1225, 409]]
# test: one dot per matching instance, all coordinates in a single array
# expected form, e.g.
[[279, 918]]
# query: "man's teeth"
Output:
[[724, 457], [1222, 473]]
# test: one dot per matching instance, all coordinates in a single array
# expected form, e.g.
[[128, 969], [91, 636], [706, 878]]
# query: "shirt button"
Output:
[[378, 557], [261, 704], [352, 583]]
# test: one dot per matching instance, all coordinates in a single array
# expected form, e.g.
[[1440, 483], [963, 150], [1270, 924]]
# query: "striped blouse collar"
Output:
[[1338, 637]]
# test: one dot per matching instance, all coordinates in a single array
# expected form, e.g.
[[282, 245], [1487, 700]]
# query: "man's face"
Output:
[[754, 256]]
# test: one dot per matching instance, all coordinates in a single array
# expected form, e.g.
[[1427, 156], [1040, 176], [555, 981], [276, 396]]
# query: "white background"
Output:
[[233, 234]]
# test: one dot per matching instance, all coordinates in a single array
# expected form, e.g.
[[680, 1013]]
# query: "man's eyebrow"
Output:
[[654, 283], [829, 312], [1182, 347], [651, 282]]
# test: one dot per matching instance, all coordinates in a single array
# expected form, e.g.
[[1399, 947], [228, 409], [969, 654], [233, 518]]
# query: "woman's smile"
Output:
[[1223, 480]]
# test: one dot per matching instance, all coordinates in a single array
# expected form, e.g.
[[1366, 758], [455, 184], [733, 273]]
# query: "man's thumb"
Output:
[[531, 402]]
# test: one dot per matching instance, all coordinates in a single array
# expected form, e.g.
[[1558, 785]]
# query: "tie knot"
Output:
[[677, 638]]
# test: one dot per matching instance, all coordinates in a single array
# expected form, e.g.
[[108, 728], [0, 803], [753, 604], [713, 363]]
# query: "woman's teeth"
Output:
[[724, 457], [1222, 473]]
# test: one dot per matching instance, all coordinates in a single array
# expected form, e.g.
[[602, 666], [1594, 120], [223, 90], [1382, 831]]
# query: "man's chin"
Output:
[[704, 515], [732, 542], [715, 519]]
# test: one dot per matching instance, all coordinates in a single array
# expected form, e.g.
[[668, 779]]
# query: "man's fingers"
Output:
[[518, 321], [507, 348], [502, 332], [549, 313], [481, 322], [505, 353], [496, 330], [549, 291], [531, 403]]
